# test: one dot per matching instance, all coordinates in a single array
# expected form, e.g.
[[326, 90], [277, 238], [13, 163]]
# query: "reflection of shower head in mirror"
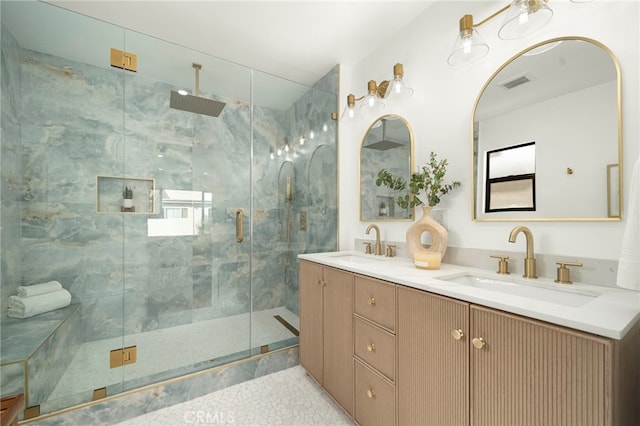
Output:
[[288, 191]]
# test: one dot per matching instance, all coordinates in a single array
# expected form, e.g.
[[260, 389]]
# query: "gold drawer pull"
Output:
[[478, 342], [372, 300], [371, 347], [371, 393], [457, 334]]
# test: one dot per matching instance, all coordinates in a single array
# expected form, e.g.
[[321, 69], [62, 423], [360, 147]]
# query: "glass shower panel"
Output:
[[187, 159], [294, 192], [173, 221], [62, 126]]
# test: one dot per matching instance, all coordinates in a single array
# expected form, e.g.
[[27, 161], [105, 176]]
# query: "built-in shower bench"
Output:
[[35, 352]]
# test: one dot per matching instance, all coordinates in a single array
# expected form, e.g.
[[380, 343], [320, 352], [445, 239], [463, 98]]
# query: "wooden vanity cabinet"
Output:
[[441, 361], [433, 366], [326, 333], [374, 352], [525, 372], [463, 364]]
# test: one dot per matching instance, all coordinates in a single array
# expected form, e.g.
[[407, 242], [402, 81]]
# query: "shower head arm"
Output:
[[197, 67]]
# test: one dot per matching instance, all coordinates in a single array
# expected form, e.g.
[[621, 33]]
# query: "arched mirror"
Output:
[[387, 144], [546, 141]]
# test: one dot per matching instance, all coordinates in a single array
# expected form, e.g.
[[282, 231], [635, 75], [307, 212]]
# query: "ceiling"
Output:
[[298, 40]]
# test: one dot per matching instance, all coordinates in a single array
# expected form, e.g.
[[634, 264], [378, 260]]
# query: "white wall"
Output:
[[440, 115]]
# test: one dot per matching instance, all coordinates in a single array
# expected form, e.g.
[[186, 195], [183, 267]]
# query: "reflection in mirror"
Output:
[[563, 95], [181, 213], [511, 179], [388, 144]]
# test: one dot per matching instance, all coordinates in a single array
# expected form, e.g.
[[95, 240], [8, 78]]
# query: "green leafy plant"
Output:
[[429, 180]]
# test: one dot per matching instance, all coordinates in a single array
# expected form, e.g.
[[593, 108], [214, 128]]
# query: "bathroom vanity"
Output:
[[393, 344]]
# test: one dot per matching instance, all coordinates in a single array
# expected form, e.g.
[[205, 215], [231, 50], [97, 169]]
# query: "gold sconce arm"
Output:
[[469, 46]]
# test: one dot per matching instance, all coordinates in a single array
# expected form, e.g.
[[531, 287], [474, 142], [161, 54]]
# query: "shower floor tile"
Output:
[[289, 397], [171, 348]]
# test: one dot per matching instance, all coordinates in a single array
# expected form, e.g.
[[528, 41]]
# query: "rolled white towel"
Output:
[[36, 289], [25, 307]]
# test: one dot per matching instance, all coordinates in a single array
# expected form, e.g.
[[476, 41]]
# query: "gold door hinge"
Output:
[[123, 356], [99, 393], [124, 60], [31, 412]]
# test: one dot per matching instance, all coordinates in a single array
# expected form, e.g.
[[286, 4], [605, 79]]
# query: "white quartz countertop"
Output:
[[604, 311]]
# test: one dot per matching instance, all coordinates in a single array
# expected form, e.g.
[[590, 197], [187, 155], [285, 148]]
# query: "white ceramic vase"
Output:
[[127, 203]]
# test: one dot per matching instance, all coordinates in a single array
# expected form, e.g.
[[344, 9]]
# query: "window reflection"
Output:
[[181, 213]]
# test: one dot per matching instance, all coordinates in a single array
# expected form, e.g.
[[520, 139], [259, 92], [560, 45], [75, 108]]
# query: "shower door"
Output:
[[176, 231], [187, 294]]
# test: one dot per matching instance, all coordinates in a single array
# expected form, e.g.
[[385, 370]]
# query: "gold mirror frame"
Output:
[[476, 179], [411, 152]]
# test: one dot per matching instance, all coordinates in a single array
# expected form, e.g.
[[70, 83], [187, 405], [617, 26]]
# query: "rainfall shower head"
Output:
[[195, 103], [384, 143]]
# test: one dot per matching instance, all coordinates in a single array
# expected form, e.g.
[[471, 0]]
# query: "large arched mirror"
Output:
[[387, 144], [546, 140]]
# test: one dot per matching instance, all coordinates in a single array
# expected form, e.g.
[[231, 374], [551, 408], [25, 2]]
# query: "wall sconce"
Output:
[[374, 101], [522, 18]]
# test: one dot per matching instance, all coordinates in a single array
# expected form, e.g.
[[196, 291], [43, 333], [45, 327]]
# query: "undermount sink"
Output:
[[356, 258], [533, 290]]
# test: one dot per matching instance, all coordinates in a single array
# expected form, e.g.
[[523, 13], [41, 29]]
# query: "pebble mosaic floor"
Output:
[[286, 398]]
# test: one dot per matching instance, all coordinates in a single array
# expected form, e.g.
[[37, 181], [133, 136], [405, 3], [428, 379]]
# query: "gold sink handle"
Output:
[[503, 264], [563, 273]]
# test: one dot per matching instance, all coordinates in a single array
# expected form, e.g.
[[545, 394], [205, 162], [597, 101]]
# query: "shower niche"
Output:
[[125, 195]]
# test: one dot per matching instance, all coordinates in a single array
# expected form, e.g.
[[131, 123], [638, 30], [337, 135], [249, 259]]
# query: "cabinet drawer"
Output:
[[376, 347], [375, 398], [376, 301]]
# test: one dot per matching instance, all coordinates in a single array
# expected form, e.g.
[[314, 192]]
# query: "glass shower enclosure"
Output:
[[172, 221]]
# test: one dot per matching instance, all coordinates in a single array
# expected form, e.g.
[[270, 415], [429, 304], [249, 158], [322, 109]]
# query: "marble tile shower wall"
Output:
[[72, 129], [10, 164], [316, 171]]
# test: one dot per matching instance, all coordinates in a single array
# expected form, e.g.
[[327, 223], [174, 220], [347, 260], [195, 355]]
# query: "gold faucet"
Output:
[[529, 261], [378, 251]]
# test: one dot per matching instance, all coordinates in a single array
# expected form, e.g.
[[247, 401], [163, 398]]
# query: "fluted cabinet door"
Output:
[[338, 336], [433, 365], [526, 372], [311, 319]]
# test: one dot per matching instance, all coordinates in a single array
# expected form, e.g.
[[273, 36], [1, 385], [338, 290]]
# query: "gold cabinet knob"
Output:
[[319, 281], [457, 334], [371, 393], [372, 300], [478, 342], [371, 347]]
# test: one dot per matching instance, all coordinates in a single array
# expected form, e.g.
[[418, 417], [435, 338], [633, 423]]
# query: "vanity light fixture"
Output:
[[374, 101], [398, 89], [523, 17]]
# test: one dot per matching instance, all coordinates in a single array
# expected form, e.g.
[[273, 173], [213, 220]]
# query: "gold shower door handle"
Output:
[[239, 225]]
